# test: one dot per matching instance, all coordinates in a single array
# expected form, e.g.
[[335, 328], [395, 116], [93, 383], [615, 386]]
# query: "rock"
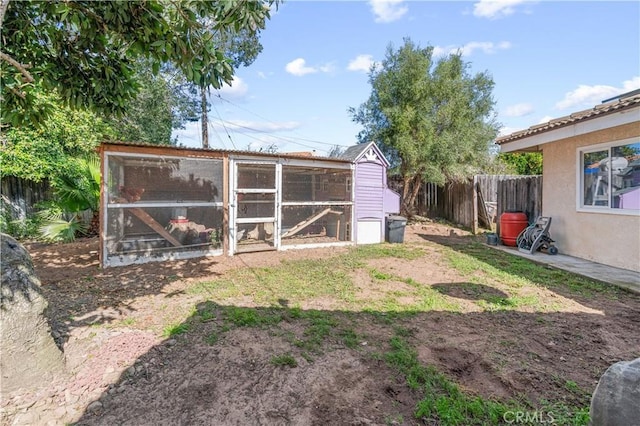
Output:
[[30, 358], [171, 342], [94, 406], [615, 400]]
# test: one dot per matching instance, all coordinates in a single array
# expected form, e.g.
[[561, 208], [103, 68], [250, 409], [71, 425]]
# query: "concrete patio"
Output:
[[620, 277]]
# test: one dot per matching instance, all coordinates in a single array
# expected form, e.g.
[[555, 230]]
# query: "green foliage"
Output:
[[159, 107], [77, 198], [87, 51], [46, 151], [433, 118], [523, 163]]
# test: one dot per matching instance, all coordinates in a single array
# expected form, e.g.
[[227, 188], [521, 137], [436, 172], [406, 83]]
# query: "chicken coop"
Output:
[[163, 203]]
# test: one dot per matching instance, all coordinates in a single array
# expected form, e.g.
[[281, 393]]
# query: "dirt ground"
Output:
[[121, 370]]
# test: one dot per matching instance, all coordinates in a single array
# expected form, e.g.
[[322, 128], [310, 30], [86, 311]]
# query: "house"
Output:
[[591, 181], [160, 203]]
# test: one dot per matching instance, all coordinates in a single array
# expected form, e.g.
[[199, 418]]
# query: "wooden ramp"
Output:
[[153, 224], [300, 226]]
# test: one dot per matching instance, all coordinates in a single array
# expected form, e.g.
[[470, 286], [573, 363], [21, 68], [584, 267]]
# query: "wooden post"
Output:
[[474, 206], [225, 203]]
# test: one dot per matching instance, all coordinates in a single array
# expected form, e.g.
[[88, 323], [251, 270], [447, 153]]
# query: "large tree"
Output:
[[432, 117], [87, 50], [159, 107]]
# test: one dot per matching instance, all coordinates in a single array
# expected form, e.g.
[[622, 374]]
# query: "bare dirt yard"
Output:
[[439, 330]]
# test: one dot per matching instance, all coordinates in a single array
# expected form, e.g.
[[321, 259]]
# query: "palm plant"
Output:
[[75, 208]]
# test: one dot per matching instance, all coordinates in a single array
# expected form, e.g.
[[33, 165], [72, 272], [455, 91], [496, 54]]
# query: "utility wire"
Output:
[[225, 127], [270, 121]]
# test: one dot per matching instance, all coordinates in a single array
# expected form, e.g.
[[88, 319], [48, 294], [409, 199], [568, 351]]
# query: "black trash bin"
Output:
[[395, 229]]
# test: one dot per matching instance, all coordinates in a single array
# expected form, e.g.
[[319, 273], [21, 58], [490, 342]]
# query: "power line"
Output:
[[225, 127], [273, 122]]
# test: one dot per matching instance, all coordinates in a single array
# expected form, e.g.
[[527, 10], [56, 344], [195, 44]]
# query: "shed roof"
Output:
[[297, 155], [355, 152], [624, 102]]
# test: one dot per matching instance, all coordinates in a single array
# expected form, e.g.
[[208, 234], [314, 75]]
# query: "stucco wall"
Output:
[[612, 239]]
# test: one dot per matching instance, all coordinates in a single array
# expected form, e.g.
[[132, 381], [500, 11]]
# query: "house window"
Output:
[[610, 176]]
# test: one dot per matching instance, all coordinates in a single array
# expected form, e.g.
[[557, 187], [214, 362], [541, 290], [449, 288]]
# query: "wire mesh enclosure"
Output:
[[159, 206]]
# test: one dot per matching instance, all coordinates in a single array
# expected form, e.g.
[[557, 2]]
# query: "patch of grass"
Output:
[[175, 329], [212, 338], [379, 275], [443, 402], [285, 360], [515, 271], [251, 317], [349, 338], [295, 281], [376, 251], [129, 321]]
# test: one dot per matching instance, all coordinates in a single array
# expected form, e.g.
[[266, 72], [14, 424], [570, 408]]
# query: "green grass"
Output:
[[444, 403], [285, 360], [175, 329], [474, 259]]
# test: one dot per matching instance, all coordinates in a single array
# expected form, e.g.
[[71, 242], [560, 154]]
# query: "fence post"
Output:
[[474, 205]]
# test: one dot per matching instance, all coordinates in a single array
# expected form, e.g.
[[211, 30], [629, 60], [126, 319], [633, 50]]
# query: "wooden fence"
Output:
[[19, 196], [479, 202]]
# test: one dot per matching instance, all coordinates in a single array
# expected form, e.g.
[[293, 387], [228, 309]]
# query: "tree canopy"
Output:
[[523, 163], [87, 50], [433, 118]]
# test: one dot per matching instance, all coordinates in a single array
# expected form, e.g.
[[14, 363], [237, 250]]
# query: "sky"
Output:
[[547, 60]]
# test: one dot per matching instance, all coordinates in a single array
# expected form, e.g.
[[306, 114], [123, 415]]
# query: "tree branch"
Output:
[[28, 78], [4, 4]]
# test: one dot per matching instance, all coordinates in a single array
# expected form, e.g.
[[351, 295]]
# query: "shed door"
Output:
[[368, 232], [255, 206]]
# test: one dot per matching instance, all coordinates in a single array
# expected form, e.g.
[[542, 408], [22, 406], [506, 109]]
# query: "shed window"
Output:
[[610, 177]]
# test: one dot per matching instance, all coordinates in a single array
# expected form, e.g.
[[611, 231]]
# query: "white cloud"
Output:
[[487, 47], [494, 9], [507, 130], [236, 91], [257, 126], [546, 119], [361, 63], [388, 10], [298, 67], [328, 67], [518, 110], [586, 95]]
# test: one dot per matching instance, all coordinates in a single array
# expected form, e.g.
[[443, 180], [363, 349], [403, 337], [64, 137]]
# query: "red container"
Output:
[[511, 225]]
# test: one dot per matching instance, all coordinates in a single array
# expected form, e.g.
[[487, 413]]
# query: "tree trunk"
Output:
[[415, 189], [204, 118], [404, 209], [30, 357]]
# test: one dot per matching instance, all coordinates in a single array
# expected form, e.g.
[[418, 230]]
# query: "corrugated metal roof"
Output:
[[296, 155], [597, 111]]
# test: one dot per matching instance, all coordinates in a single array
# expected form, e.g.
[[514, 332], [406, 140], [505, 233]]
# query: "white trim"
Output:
[[156, 204], [256, 190], [245, 220], [132, 259], [580, 151], [589, 125], [315, 245], [317, 203]]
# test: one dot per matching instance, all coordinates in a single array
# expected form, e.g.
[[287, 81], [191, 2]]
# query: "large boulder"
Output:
[[616, 400], [30, 357]]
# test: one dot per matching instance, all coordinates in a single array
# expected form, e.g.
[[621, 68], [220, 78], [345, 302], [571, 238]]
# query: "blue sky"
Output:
[[547, 59]]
